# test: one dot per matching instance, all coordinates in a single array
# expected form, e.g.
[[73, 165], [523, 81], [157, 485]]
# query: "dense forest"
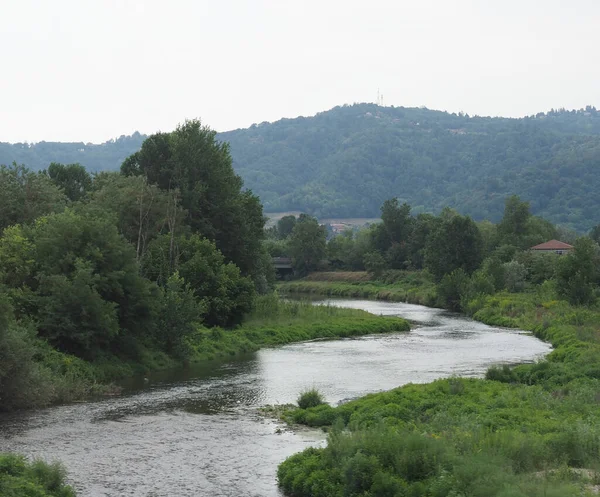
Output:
[[346, 161]]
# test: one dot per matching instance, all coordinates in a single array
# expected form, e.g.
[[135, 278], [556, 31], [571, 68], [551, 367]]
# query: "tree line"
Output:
[[465, 258], [116, 263]]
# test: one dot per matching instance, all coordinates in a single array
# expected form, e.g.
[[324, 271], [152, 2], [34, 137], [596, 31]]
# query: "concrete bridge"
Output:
[[282, 265]]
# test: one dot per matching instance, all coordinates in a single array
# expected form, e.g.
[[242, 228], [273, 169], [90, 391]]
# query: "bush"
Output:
[[19, 478], [310, 398]]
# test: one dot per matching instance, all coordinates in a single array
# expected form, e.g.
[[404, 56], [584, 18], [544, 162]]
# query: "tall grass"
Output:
[[276, 322], [415, 287]]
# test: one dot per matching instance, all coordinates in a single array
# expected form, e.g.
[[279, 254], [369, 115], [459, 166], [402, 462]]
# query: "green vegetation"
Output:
[[394, 286], [531, 430], [19, 478], [345, 161], [310, 398]]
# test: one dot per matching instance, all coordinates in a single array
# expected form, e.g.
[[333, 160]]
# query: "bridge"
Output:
[[282, 265]]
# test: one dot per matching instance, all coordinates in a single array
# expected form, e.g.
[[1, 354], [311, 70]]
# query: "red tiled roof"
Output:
[[553, 245]]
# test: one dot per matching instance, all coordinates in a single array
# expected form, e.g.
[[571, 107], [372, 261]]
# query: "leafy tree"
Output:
[[374, 263], [179, 317], [191, 160], [285, 226], [72, 179], [78, 278], [307, 245], [455, 244], [514, 276], [141, 211], [578, 272], [452, 287], [224, 294], [26, 196], [21, 380], [513, 226]]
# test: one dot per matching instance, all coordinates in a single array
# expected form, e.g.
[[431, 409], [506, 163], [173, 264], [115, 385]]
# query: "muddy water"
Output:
[[197, 432]]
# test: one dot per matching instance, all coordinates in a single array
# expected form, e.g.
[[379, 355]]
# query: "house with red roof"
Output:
[[553, 247]]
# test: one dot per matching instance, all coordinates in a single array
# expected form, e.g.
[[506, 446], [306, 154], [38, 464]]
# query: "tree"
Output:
[[72, 179], [285, 226], [78, 278], [307, 245], [179, 317], [26, 196], [451, 289], [141, 211], [514, 276], [219, 287], [191, 160], [514, 224], [577, 273], [455, 244]]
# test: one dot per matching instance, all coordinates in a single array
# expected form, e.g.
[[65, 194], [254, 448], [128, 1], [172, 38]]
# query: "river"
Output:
[[197, 432]]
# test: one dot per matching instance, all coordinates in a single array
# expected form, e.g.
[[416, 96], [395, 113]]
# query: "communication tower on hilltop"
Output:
[[379, 98]]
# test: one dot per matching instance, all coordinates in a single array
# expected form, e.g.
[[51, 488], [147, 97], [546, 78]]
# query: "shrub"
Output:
[[310, 398]]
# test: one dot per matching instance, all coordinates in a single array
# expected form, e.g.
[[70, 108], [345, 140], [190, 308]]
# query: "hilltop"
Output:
[[348, 160]]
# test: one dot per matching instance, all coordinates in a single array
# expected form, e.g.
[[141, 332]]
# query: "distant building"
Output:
[[553, 247]]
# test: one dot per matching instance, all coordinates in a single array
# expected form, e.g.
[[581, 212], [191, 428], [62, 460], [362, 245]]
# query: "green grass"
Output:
[[394, 286], [274, 322], [536, 432]]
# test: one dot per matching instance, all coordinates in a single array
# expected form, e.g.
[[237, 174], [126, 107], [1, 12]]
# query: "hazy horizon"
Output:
[[116, 136], [92, 71]]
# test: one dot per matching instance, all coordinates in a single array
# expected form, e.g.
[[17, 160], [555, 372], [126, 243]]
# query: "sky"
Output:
[[92, 70]]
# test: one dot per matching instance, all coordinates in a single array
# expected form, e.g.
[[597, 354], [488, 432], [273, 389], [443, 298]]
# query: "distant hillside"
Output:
[[345, 162], [106, 156]]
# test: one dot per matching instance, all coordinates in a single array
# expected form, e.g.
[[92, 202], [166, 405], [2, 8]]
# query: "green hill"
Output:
[[105, 156], [346, 161]]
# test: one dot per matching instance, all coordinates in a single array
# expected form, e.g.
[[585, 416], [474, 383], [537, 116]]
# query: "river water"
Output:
[[198, 433]]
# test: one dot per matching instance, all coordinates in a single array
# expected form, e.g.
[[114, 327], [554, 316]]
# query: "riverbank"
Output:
[[530, 433], [64, 378], [414, 287]]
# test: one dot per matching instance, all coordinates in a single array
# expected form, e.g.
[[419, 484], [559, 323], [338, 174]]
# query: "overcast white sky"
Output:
[[91, 70]]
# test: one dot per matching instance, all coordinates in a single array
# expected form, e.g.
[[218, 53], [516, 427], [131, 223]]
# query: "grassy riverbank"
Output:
[[63, 378], [415, 287], [535, 432]]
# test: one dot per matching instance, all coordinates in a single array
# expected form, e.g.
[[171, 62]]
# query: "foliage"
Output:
[[514, 276], [141, 211], [307, 245], [78, 279], [73, 179], [223, 293], [26, 195], [455, 244], [578, 273], [310, 398], [192, 161], [345, 161], [452, 288], [20, 478]]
